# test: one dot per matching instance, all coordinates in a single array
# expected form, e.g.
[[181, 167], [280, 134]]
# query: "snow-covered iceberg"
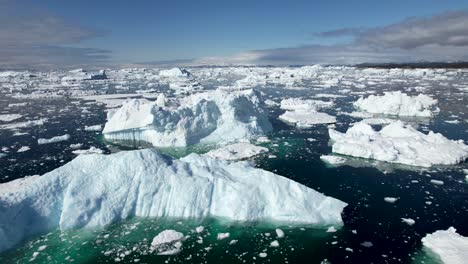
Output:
[[95, 190], [304, 114], [215, 116], [398, 143], [398, 104], [448, 245]]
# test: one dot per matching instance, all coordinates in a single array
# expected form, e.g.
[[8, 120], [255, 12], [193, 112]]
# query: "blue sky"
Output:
[[144, 31]]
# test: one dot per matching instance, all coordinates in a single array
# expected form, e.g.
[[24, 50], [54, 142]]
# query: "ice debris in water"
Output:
[[210, 117], [448, 245], [398, 143], [96, 190], [168, 242], [390, 199], [333, 160], [399, 104], [408, 221], [237, 151]]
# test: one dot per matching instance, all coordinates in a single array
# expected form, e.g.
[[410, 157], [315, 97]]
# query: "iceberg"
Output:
[[210, 117], [448, 245], [96, 190], [398, 143], [304, 114], [398, 104]]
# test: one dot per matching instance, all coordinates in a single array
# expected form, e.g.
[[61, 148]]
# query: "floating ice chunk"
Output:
[[23, 149], [55, 139], [408, 221], [215, 116], [274, 243], [279, 233], [222, 236], [262, 255], [390, 199], [96, 190], [333, 160], [331, 229], [38, 122], [437, 182], [42, 248], [199, 229], [398, 143], [93, 128], [168, 242], [237, 151], [303, 113], [91, 150], [9, 117], [398, 103], [304, 119], [76, 146], [448, 245]]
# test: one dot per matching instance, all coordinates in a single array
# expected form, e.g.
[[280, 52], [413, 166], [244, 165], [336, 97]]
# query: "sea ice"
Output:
[[448, 245], [237, 151], [398, 143], [168, 242], [91, 150], [399, 104], [9, 117], [333, 160], [96, 190], [93, 128], [408, 221], [215, 116]]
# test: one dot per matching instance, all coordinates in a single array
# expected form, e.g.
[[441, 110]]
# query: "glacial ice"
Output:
[[215, 116], [237, 151], [448, 245], [398, 143], [96, 190], [398, 104]]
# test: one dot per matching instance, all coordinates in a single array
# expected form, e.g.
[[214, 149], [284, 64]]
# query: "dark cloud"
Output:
[[30, 36], [447, 29]]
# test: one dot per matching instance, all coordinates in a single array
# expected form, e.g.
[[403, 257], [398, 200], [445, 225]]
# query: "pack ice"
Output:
[[214, 116], [96, 190], [398, 143], [398, 104], [448, 245]]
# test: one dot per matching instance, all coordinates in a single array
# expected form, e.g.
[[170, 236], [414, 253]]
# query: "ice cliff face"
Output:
[[398, 143], [398, 104], [96, 190], [215, 116]]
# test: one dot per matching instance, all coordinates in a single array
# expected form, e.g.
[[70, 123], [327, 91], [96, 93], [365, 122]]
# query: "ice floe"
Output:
[[398, 143], [168, 242], [448, 245], [215, 116], [9, 117], [55, 139], [96, 190], [398, 104]]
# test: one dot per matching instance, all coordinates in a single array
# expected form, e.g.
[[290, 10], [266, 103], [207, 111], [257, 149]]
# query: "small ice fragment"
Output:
[[279, 233], [222, 236], [274, 243], [390, 199], [408, 221]]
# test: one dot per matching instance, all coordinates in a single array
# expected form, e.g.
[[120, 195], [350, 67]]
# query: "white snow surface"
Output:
[[237, 151], [96, 190], [448, 245], [398, 143], [210, 117], [398, 104]]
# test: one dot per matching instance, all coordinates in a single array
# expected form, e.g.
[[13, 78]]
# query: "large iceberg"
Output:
[[398, 143], [95, 190], [398, 104], [210, 117], [448, 245]]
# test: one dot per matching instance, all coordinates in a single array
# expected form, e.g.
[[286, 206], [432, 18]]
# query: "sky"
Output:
[[260, 32]]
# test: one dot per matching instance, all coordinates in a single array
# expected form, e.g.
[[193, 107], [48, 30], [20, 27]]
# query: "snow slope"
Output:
[[398, 143], [398, 104], [215, 116], [96, 190], [448, 245]]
